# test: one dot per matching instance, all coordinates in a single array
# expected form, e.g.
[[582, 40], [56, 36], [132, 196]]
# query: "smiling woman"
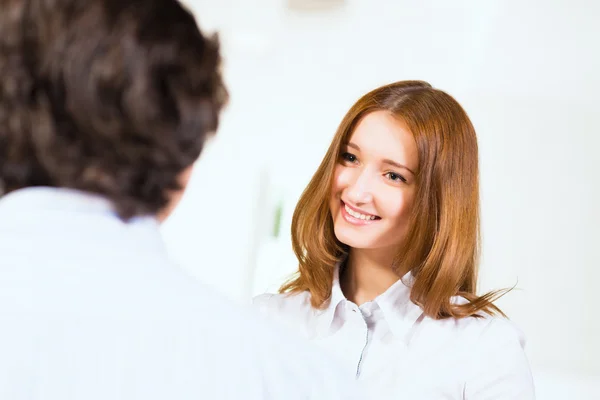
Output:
[[386, 235], [376, 163]]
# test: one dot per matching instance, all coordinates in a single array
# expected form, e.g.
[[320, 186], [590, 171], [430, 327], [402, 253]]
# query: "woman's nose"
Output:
[[360, 191]]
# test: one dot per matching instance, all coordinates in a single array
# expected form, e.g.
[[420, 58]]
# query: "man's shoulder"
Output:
[[280, 304], [291, 310]]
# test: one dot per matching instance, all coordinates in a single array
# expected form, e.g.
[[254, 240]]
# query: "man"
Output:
[[104, 107]]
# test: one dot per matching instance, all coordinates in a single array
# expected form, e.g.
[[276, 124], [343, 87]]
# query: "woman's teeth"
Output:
[[359, 215]]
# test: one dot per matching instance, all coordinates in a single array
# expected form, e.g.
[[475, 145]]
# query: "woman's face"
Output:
[[374, 184]]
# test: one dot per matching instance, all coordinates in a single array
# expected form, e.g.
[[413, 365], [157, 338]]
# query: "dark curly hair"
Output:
[[115, 97]]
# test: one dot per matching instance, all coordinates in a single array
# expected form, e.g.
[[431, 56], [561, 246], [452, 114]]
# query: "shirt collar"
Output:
[[325, 317], [398, 310], [50, 199], [44, 210]]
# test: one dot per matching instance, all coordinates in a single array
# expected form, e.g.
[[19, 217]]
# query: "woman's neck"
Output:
[[367, 274]]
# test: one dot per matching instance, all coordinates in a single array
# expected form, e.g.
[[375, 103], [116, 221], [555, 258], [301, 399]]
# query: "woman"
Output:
[[386, 235]]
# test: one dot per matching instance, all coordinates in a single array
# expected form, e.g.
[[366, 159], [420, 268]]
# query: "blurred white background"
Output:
[[528, 74]]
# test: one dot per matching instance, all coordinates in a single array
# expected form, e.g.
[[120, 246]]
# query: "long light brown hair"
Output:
[[441, 248]]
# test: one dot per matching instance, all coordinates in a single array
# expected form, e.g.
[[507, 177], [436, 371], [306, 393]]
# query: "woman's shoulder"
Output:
[[486, 327], [492, 330], [498, 361]]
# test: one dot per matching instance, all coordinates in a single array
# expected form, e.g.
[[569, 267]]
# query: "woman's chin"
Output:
[[353, 241]]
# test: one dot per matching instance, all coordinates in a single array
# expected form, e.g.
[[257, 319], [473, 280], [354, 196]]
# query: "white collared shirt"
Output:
[[91, 308], [397, 352]]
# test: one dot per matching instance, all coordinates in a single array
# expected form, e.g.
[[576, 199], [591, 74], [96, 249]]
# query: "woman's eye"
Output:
[[395, 177], [349, 157]]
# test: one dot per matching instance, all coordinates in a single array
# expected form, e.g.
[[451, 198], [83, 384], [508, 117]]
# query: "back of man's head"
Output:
[[114, 97]]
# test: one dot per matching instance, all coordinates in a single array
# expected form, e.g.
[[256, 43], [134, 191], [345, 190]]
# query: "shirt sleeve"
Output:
[[500, 369]]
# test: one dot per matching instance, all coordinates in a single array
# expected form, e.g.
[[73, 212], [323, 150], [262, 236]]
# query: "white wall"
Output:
[[526, 72]]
